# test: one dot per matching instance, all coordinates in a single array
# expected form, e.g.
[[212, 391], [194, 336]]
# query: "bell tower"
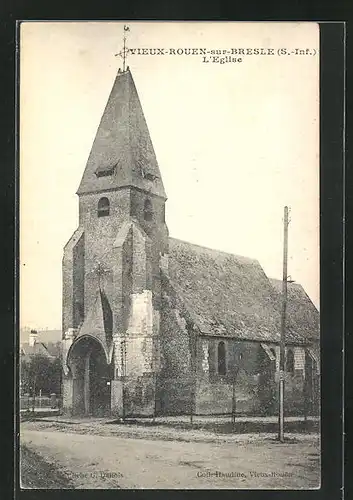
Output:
[[112, 265]]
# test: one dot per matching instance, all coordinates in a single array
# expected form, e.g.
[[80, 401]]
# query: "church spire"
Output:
[[122, 154]]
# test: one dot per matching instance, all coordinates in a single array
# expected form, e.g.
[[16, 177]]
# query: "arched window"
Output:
[[290, 361], [222, 358], [147, 210], [103, 207]]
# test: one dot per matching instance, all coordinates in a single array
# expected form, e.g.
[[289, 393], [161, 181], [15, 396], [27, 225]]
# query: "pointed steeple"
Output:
[[122, 153]]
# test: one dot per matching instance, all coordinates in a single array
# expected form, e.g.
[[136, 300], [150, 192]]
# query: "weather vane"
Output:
[[124, 52]]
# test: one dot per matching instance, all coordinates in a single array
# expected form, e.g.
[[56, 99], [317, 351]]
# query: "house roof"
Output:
[[54, 349], [229, 295], [302, 314], [39, 348], [122, 153]]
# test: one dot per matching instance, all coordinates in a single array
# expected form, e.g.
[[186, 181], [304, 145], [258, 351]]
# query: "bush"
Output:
[[40, 374]]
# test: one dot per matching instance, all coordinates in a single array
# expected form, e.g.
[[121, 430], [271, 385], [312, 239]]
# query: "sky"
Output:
[[235, 142]]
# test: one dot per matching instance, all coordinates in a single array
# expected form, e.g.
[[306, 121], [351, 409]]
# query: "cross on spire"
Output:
[[124, 52]]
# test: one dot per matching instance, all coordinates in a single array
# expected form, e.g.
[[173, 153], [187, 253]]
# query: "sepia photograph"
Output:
[[169, 255]]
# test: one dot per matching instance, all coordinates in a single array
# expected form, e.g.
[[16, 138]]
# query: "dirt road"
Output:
[[103, 461]]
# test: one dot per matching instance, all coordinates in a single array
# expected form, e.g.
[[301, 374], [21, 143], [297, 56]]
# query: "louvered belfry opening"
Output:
[[103, 207], [147, 210]]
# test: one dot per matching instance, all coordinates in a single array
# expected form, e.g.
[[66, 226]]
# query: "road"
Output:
[[111, 461]]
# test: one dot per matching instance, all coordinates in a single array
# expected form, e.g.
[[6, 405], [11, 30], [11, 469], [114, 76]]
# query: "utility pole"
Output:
[[233, 403], [282, 345]]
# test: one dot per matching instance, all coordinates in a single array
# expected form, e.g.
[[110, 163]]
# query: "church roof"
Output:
[[229, 295], [122, 153], [301, 313]]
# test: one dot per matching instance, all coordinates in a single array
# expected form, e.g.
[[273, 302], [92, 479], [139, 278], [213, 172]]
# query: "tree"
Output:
[[40, 373], [55, 374]]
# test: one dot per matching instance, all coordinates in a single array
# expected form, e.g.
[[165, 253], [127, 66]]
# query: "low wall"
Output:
[[26, 402], [217, 398]]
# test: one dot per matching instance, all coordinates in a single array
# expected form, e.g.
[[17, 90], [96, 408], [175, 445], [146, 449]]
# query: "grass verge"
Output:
[[36, 473]]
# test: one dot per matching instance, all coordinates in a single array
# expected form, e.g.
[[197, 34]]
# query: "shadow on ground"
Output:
[[225, 427]]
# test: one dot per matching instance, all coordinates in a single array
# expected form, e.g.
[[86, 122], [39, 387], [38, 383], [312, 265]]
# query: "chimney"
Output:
[[33, 336]]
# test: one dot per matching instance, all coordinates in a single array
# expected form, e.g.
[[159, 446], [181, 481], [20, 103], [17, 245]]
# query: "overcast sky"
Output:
[[235, 142]]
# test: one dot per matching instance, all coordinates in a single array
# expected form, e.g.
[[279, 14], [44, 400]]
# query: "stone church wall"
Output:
[[73, 281], [254, 375], [248, 367], [294, 382], [137, 326], [97, 253], [215, 392], [176, 381]]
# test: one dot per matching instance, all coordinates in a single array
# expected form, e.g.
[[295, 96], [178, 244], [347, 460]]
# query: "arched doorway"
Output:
[[91, 378]]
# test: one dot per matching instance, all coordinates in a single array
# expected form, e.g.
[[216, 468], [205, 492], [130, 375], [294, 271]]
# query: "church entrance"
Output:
[[91, 378], [99, 382]]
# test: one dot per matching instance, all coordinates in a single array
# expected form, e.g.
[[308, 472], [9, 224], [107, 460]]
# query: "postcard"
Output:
[[169, 255]]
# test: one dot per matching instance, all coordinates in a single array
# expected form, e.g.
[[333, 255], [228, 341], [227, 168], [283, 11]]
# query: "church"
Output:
[[152, 325]]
